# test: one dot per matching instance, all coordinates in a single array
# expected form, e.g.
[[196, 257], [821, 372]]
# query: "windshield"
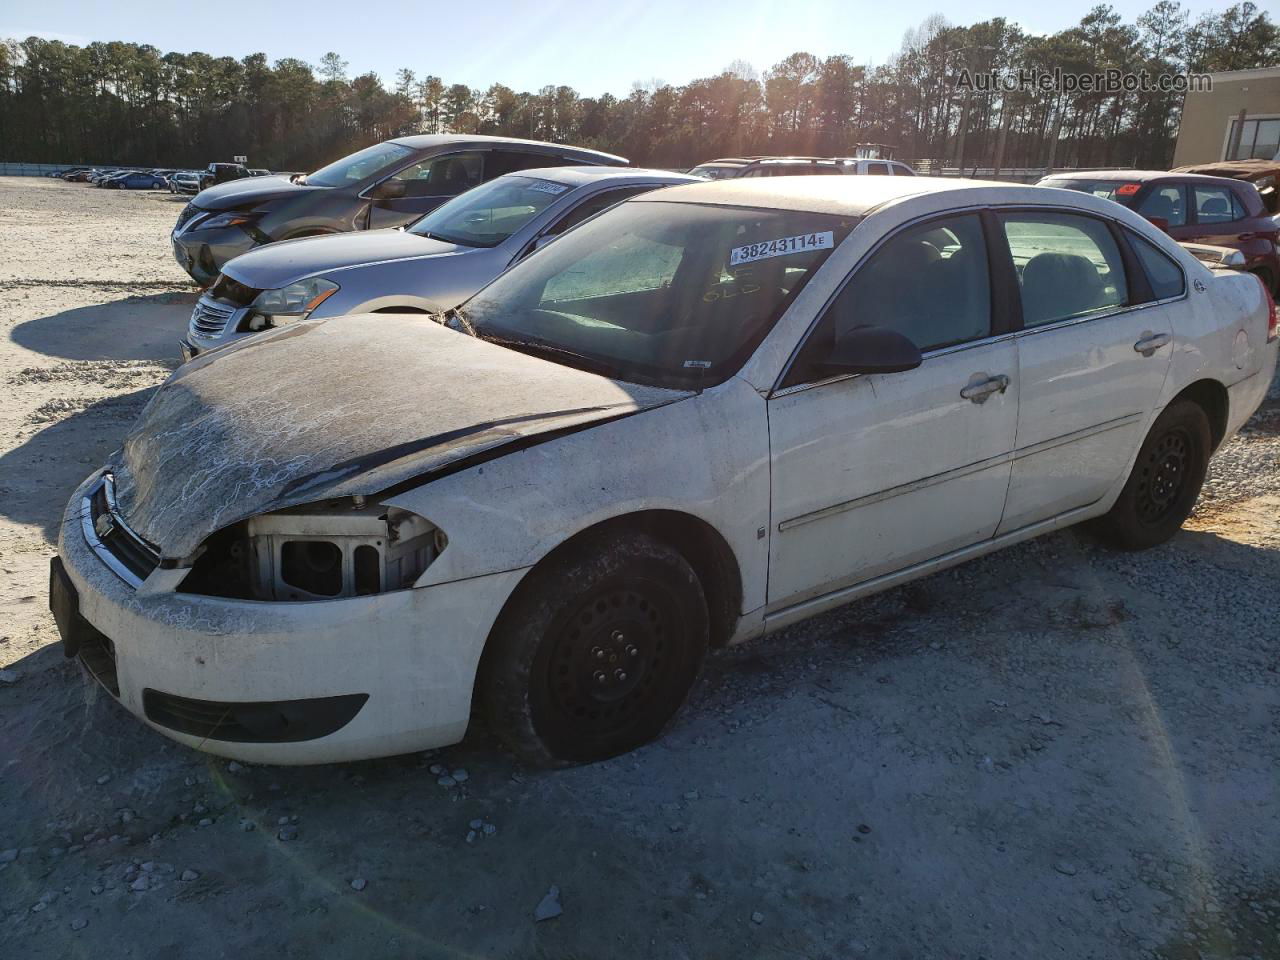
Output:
[[1121, 191], [712, 172], [359, 166], [488, 214], [671, 294]]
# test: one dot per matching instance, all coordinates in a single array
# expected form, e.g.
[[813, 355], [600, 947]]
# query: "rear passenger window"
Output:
[[1213, 204], [1164, 275], [878, 169], [929, 283], [1068, 266], [1166, 202]]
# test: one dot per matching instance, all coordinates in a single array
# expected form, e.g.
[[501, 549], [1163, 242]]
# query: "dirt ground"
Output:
[[1057, 751]]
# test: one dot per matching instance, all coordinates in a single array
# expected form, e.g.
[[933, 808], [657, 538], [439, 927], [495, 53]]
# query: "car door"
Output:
[[875, 473], [422, 186], [1092, 360]]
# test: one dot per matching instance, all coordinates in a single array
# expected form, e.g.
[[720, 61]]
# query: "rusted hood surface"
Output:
[[334, 408]]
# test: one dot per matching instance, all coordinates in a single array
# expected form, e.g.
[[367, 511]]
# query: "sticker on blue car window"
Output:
[[544, 187]]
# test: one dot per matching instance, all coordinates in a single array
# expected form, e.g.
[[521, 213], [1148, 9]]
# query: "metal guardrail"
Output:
[[44, 169]]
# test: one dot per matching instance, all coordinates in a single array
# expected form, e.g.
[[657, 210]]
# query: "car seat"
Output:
[[1059, 285]]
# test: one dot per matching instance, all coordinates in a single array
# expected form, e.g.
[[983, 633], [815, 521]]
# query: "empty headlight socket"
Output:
[[324, 554]]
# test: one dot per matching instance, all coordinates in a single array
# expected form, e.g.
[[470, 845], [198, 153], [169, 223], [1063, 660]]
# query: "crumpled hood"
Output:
[[334, 408], [242, 193], [278, 264]]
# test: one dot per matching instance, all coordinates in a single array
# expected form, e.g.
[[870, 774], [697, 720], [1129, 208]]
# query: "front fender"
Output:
[[707, 456]]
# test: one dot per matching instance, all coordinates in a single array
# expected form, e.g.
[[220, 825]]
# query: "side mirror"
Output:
[[871, 349], [390, 190], [1160, 223]]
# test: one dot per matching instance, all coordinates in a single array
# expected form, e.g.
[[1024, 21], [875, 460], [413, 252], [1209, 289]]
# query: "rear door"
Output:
[[1092, 359]]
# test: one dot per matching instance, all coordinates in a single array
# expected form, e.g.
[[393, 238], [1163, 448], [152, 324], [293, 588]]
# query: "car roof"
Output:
[[1135, 176], [848, 196], [426, 141], [580, 176]]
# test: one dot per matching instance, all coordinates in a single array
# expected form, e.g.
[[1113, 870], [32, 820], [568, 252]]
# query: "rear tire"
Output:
[[1165, 481], [595, 653]]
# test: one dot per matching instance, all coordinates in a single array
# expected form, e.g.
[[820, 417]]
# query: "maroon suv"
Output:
[[1216, 210]]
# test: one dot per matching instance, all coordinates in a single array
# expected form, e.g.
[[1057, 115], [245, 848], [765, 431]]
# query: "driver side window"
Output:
[[930, 283], [445, 176]]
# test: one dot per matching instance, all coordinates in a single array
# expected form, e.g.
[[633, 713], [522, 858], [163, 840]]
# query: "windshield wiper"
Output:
[[549, 351]]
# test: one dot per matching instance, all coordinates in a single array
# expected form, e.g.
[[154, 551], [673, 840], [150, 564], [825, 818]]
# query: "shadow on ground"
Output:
[[135, 328], [61, 455]]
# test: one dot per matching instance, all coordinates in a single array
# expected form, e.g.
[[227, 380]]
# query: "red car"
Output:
[[1191, 207]]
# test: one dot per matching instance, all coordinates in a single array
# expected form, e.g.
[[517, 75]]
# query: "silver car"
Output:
[[430, 266]]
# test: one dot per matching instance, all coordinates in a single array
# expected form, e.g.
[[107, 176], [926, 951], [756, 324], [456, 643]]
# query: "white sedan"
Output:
[[704, 415]]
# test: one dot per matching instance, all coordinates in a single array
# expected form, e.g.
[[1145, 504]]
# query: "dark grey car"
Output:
[[385, 185]]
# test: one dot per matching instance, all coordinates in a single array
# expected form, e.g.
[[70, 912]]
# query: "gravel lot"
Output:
[[1055, 751]]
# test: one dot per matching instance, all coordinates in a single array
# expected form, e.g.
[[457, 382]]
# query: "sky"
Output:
[[594, 47]]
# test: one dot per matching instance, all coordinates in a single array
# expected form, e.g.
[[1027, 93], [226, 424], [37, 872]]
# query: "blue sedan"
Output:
[[139, 181]]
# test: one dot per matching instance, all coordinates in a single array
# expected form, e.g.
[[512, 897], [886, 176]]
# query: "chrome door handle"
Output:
[[1151, 342], [979, 391]]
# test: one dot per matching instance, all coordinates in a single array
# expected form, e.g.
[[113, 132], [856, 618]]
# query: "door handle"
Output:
[[979, 391], [1151, 342]]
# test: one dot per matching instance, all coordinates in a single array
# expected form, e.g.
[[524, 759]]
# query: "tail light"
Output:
[[1273, 324]]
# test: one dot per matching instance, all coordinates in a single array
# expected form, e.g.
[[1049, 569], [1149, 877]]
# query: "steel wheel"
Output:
[[1162, 475]]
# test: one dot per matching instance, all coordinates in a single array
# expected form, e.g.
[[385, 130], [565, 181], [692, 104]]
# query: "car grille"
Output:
[[209, 319], [189, 211], [129, 556]]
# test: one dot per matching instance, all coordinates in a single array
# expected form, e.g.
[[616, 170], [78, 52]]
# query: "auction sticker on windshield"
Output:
[[546, 187], [781, 247]]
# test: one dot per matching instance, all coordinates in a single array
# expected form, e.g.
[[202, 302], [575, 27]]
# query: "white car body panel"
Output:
[[841, 515], [814, 490]]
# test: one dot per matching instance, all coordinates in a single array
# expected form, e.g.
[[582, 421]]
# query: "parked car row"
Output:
[[730, 168], [613, 418]]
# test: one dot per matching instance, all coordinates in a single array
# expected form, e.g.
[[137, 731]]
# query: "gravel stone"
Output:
[[188, 875], [79, 923], [549, 906], [287, 833], [359, 883], [757, 917]]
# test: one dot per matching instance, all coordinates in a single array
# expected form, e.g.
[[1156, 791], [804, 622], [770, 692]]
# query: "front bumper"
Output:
[[202, 253], [412, 653]]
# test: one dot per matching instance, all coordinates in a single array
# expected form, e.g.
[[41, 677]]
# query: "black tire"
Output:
[[595, 653], [1165, 481]]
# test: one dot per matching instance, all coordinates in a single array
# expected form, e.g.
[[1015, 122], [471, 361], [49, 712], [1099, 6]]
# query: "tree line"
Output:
[[128, 103]]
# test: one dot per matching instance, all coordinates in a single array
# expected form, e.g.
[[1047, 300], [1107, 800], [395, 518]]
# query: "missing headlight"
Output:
[[318, 552]]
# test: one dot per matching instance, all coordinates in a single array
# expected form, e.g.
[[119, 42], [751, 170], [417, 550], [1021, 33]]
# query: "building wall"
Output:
[[1206, 117]]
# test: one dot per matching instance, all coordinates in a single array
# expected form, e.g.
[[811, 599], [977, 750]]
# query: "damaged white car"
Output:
[[704, 415]]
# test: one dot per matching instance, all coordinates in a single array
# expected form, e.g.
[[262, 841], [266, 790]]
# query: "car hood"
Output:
[[246, 192], [335, 408], [278, 264]]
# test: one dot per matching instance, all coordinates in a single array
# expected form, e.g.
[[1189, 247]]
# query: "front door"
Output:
[[423, 186], [875, 473], [1091, 364]]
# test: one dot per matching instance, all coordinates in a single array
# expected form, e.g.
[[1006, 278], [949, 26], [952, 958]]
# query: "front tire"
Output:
[[596, 652], [1165, 481]]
